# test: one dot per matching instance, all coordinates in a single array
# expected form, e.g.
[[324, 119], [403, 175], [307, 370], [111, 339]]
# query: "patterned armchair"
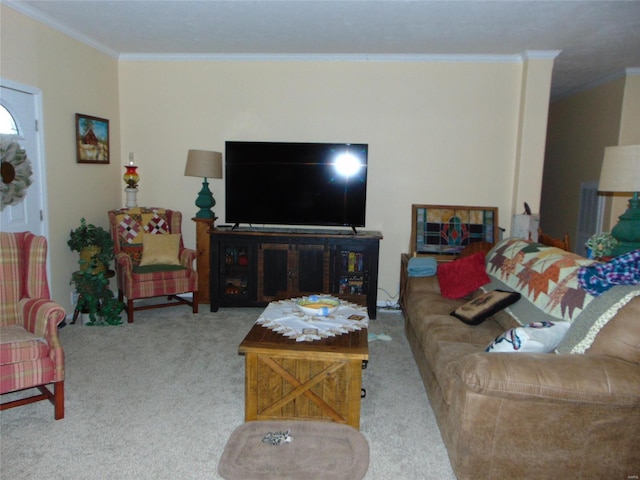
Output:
[[30, 352], [150, 258]]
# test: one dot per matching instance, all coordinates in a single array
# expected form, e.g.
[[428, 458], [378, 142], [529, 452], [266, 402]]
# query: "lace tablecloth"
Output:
[[286, 318]]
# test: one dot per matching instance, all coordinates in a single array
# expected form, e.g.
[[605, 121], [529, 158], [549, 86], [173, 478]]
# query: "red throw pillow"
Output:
[[462, 276]]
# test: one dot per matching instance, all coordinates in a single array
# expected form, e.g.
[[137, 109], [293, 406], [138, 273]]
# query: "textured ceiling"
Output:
[[596, 39]]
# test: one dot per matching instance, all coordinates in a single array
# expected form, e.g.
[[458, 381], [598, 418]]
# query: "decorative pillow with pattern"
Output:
[[484, 306], [133, 223]]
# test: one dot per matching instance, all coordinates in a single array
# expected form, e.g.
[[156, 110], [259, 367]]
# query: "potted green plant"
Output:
[[601, 245], [96, 298], [94, 244]]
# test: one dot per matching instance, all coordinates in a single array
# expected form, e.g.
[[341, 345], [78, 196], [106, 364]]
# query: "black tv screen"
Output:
[[323, 184]]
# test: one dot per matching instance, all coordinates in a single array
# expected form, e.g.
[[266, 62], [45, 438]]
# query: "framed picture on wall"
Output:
[[92, 139]]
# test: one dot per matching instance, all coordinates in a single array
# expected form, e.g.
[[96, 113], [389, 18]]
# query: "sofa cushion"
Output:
[[461, 277], [449, 354], [536, 337], [443, 339], [484, 306], [620, 337], [587, 326], [19, 345], [156, 273], [550, 377], [419, 306]]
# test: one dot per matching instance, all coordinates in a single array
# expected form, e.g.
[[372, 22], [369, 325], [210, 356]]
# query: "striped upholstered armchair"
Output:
[[150, 258], [30, 352]]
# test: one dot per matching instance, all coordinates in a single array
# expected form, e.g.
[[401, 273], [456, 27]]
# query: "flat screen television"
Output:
[[276, 183]]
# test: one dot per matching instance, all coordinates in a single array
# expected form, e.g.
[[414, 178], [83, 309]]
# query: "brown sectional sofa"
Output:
[[526, 415]]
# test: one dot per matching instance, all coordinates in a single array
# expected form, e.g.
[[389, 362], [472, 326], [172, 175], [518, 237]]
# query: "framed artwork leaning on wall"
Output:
[[445, 230]]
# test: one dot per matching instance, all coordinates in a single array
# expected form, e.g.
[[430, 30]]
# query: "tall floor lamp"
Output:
[[621, 173], [205, 164]]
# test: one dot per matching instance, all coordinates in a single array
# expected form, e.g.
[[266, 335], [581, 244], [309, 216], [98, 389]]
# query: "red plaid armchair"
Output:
[[30, 352], [150, 258]]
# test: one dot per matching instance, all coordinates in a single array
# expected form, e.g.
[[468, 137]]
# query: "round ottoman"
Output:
[[317, 450]]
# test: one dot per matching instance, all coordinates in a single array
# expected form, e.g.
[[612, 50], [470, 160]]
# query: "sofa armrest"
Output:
[[187, 257], [421, 285], [410, 285], [124, 270], [595, 379], [41, 316], [124, 262]]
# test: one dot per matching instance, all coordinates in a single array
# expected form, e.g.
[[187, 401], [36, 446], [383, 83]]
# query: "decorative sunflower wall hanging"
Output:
[[16, 171]]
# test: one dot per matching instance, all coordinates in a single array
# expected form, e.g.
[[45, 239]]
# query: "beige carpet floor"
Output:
[[159, 398]]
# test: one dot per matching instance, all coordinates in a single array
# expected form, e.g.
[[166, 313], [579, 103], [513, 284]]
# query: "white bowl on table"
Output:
[[318, 305]]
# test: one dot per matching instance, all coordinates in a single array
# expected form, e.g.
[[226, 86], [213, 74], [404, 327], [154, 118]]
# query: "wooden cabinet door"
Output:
[[235, 273], [355, 271], [293, 268], [274, 269], [311, 269]]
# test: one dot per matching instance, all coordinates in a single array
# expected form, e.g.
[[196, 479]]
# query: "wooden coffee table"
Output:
[[319, 380]]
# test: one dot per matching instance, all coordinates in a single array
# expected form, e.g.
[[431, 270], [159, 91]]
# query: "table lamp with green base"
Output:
[[205, 164], [621, 173]]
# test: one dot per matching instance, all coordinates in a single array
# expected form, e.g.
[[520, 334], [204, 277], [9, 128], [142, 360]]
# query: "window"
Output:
[[7, 122]]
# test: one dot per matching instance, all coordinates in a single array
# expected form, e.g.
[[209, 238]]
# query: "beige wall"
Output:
[[443, 133], [630, 119], [438, 132], [580, 127], [73, 78]]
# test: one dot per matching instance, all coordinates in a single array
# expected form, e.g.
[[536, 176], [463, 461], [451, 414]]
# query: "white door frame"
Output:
[[40, 161]]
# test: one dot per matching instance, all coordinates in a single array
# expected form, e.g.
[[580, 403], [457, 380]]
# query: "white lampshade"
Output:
[[203, 163], [620, 169]]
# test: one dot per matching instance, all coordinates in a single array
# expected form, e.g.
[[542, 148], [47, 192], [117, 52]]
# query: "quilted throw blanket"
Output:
[[546, 276]]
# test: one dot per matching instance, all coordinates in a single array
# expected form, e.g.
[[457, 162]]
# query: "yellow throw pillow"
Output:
[[160, 249]]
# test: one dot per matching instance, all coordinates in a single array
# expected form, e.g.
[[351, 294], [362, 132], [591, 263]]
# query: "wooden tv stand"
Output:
[[250, 266]]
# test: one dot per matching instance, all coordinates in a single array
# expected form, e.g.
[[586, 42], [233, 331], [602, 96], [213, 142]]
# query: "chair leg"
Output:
[[129, 310], [195, 302], [55, 395], [58, 399]]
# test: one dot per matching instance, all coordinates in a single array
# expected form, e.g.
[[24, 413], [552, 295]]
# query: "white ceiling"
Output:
[[597, 40]]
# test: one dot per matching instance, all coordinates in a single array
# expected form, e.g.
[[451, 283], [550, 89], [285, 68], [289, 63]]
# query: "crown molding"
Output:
[[540, 54], [303, 57], [627, 72], [50, 22]]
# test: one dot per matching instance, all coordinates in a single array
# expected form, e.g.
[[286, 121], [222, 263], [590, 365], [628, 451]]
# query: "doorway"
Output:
[[24, 181], [590, 216]]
